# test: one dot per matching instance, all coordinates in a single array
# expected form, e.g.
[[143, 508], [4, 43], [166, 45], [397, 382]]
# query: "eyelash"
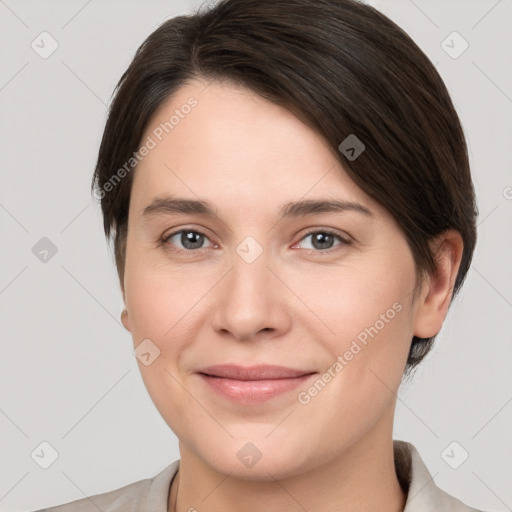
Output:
[[164, 241]]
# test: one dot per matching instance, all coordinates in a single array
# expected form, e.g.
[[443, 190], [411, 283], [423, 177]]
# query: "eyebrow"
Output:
[[170, 205]]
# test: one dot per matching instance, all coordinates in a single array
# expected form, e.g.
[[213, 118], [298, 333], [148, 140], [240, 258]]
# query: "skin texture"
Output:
[[295, 305]]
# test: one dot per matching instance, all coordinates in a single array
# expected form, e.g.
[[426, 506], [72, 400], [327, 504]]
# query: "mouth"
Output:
[[253, 384]]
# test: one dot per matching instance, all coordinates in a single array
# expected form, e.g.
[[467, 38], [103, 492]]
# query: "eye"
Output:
[[190, 239], [322, 240]]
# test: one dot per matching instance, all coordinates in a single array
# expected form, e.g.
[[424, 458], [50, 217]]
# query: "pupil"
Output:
[[187, 239], [320, 240]]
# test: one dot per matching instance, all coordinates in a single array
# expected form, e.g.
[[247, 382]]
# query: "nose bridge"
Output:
[[250, 278], [249, 302], [250, 272]]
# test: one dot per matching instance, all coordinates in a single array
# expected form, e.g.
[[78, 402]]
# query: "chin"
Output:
[[257, 458]]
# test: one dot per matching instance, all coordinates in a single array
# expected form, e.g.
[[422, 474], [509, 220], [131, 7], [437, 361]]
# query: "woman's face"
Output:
[[324, 292]]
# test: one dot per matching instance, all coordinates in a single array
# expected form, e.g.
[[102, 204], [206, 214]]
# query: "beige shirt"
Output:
[[151, 494]]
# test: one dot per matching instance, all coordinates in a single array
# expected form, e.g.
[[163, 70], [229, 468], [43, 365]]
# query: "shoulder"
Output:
[[422, 492], [148, 494]]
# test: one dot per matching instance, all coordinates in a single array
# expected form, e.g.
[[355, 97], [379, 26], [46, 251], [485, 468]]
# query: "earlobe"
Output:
[[125, 320], [438, 287]]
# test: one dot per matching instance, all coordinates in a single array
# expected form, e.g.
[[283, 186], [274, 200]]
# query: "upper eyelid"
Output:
[[172, 233], [166, 237], [345, 238]]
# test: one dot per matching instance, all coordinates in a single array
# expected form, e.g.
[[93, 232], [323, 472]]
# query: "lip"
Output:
[[253, 384]]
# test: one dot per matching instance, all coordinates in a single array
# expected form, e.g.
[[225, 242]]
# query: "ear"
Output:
[[125, 320], [437, 289], [124, 315]]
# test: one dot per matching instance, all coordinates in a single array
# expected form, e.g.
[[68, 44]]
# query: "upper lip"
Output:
[[259, 372]]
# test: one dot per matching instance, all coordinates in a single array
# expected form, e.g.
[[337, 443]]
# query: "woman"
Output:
[[288, 190]]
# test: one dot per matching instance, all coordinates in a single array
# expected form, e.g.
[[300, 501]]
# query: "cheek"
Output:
[[164, 304], [367, 320], [160, 303], [358, 302], [160, 298]]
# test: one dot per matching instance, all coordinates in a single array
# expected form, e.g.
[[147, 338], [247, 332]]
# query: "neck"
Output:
[[362, 478]]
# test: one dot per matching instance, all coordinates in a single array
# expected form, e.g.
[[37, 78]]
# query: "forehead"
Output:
[[225, 142]]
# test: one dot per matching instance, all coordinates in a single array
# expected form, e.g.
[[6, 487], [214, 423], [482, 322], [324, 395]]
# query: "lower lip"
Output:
[[253, 391]]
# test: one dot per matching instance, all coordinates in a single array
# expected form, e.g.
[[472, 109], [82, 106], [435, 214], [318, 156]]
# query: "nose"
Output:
[[252, 302]]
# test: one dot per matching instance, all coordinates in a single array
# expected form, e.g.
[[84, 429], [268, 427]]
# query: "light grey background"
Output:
[[68, 375]]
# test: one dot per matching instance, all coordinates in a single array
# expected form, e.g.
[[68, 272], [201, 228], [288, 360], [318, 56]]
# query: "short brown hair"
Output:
[[340, 66]]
